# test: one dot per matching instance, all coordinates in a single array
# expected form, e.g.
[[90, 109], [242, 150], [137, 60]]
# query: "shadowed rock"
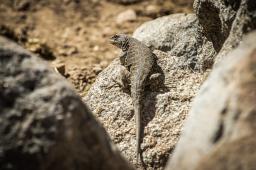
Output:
[[244, 22], [225, 22], [222, 114], [239, 154], [216, 18], [43, 123]]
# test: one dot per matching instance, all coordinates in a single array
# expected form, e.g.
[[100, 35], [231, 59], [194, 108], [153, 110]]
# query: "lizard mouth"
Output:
[[113, 42]]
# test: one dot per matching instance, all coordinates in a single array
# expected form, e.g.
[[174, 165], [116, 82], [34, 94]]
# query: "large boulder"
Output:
[[181, 48], [238, 154], [222, 116], [244, 22], [216, 17], [43, 123], [166, 104], [180, 35], [183, 44], [225, 22]]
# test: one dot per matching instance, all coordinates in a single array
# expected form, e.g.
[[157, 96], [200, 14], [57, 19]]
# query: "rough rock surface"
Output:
[[244, 22], [240, 153], [167, 101], [225, 22], [185, 41], [43, 123], [223, 114], [180, 35], [216, 17]]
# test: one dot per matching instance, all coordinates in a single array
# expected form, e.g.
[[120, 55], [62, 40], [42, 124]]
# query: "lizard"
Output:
[[139, 61]]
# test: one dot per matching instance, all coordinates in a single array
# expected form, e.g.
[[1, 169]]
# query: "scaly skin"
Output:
[[139, 60]]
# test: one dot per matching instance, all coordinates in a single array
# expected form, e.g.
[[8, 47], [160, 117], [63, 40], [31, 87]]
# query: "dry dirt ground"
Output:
[[73, 34]]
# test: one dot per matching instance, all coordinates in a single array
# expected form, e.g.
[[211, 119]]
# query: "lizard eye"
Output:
[[115, 37]]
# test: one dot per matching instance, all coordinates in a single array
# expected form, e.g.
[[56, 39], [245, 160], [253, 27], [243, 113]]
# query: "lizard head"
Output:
[[120, 40]]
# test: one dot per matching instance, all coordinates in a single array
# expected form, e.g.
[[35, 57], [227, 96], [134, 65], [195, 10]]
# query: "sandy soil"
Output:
[[73, 35]]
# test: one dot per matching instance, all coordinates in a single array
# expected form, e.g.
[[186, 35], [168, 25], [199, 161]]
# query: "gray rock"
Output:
[[180, 35], [125, 16], [167, 101], [43, 123], [225, 22], [222, 113], [185, 40], [244, 22], [226, 157], [216, 17]]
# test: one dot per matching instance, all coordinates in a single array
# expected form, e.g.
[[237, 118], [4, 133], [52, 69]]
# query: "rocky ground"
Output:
[[198, 113], [73, 35]]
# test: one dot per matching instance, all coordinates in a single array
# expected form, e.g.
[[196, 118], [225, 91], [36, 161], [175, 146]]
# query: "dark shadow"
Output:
[[152, 89], [8, 33], [144, 166], [156, 84], [44, 50], [211, 24]]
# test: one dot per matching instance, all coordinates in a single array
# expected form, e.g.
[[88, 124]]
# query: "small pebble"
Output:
[[151, 10], [60, 68], [128, 15]]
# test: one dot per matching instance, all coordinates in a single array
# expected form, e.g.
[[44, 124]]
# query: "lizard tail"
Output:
[[137, 112]]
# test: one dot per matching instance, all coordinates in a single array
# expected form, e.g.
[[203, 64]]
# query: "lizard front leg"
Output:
[[123, 58], [122, 80]]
